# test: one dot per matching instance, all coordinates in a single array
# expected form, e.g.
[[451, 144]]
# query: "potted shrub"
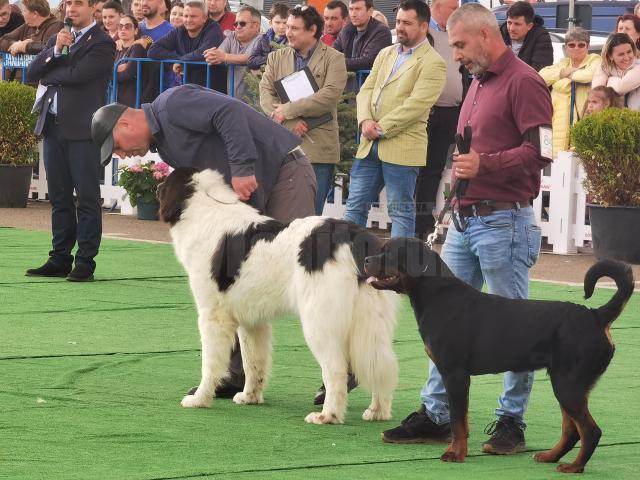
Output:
[[608, 145], [141, 181], [18, 143]]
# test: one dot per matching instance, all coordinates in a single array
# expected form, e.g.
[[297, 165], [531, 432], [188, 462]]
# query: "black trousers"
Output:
[[72, 165], [441, 131]]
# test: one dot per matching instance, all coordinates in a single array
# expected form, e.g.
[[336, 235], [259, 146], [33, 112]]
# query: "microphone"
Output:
[[67, 26]]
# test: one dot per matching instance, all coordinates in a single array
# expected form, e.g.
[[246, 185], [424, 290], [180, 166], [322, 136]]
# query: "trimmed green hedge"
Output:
[[18, 143], [608, 144]]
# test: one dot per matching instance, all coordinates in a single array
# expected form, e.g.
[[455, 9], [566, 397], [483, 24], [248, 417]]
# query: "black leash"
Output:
[[458, 191]]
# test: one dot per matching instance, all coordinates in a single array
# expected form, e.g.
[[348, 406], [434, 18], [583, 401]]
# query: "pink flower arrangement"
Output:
[[141, 180]]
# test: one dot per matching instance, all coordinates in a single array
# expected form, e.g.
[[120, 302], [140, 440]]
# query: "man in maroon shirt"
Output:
[[508, 108]]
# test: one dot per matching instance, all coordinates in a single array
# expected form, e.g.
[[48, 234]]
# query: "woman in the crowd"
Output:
[[620, 69], [112, 12], [570, 80], [175, 16], [128, 33], [629, 24], [600, 98]]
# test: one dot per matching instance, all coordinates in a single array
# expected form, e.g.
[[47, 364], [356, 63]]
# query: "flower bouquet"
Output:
[[141, 181]]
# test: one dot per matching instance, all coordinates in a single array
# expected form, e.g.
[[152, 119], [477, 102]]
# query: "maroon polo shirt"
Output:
[[506, 101]]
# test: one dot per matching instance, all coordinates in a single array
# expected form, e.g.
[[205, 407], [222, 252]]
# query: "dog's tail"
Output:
[[622, 274]]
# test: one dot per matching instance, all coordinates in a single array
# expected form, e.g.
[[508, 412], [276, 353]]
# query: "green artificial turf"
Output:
[[93, 374]]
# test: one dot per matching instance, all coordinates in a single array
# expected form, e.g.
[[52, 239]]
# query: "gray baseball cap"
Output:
[[102, 125]]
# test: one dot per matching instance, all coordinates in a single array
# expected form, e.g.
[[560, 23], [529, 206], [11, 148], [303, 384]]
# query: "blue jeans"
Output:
[[498, 249], [324, 180], [368, 176]]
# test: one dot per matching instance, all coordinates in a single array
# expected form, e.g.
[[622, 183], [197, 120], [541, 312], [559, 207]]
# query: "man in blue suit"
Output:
[[75, 68]]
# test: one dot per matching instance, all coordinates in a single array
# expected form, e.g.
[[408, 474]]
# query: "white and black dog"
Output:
[[246, 270]]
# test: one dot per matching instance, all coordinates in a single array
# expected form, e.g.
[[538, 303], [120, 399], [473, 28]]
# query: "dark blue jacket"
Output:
[[258, 57], [80, 79], [219, 132], [178, 45]]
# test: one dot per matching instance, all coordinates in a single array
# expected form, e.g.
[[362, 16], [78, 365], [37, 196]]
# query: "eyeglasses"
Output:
[[125, 26], [241, 24], [577, 44], [6, 14]]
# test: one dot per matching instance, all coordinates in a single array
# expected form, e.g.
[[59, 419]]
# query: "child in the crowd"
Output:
[[601, 98], [276, 34], [175, 16]]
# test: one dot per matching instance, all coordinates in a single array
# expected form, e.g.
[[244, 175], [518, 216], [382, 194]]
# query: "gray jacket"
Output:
[[196, 127]]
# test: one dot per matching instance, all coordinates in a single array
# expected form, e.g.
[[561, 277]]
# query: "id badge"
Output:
[[546, 142]]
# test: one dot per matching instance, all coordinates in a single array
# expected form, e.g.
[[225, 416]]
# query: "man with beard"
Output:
[[393, 106], [508, 106]]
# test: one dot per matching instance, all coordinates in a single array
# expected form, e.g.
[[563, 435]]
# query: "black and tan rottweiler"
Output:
[[467, 332]]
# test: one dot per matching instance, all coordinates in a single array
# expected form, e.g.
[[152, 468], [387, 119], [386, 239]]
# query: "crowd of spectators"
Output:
[[207, 31]]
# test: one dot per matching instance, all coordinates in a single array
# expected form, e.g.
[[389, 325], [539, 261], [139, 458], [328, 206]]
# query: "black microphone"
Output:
[[67, 26]]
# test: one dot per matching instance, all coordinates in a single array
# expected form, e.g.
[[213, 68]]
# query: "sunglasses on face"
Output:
[[576, 44], [125, 26], [241, 24]]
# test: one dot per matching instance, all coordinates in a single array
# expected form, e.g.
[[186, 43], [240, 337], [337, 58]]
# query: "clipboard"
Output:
[[296, 86]]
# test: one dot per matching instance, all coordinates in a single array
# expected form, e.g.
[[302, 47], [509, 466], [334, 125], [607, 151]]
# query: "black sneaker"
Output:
[[507, 437], [227, 388], [322, 391], [418, 428], [49, 269]]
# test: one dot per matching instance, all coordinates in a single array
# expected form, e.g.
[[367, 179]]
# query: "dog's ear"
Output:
[[213, 184], [173, 194]]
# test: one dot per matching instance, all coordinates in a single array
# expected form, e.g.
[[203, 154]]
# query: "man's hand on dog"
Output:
[[466, 165], [244, 186]]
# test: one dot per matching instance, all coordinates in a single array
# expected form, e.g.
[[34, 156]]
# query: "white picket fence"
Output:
[[560, 208]]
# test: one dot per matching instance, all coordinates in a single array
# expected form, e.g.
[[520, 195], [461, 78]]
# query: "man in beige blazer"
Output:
[[321, 143], [393, 107]]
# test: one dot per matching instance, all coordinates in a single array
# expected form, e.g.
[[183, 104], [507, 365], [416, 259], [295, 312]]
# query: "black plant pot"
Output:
[[615, 232], [14, 186]]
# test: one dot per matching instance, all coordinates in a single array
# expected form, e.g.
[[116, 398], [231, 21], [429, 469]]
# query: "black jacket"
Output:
[[376, 37], [15, 20], [80, 79], [536, 49]]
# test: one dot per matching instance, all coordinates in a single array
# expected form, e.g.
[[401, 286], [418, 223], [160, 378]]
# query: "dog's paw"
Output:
[[451, 456], [192, 401], [242, 398], [570, 468], [371, 415], [320, 418], [545, 457]]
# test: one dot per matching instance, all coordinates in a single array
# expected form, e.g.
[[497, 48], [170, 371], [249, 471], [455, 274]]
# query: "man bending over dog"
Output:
[[506, 105], [191, 126]]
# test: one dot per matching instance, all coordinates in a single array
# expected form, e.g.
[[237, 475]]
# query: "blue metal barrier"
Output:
[[362, 75], [20, 62], [185, 64]]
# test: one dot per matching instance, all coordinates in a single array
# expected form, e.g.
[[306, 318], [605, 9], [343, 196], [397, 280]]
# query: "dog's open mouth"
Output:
[[383, 282]]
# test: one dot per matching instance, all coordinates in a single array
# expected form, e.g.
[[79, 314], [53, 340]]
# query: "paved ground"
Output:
[[550, 267]]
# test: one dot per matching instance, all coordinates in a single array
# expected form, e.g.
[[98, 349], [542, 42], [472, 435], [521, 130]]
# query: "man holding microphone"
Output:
[[73, 71]]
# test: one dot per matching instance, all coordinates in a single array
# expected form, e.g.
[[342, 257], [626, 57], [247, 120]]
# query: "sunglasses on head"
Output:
[[576, 44], [302, 8]]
